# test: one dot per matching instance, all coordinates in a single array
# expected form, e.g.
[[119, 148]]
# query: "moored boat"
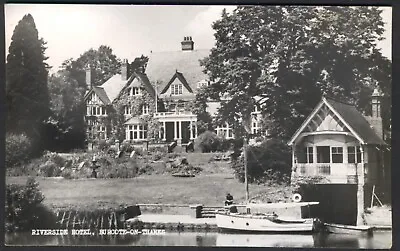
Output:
[[348, 229], [261, 223]]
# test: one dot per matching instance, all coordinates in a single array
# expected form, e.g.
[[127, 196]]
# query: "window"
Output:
[[323, 154], [255, 128], [176, 89], [224, 131], [337, 154], [96, 110], [135, 91], [127, 110], [136, 132], [102, 132], [310, 154], [145, 109], [306, 155], [354, 154]]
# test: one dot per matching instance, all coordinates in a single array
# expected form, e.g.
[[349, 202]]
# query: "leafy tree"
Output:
[[26, 90], [103, 62], [66, 124], [290, 57]]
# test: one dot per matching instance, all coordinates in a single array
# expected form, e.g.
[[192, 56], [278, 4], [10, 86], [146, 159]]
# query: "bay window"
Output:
[[136, 132]]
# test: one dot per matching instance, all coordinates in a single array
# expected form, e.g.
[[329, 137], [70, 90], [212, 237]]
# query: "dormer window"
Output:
[[135, 91], [176, 89], [145, 109]]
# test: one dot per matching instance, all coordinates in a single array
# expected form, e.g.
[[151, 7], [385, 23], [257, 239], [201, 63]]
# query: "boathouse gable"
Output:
[[337, 143]]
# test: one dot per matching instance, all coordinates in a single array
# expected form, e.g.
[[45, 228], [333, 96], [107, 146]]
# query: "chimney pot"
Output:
[[187, 44], [124, 69], [88, 77]]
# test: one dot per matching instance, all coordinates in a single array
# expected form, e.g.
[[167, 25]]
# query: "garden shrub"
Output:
[[50, 169], [18, 149], [119, 169], [24, 209], [208, 142], [103, 145]]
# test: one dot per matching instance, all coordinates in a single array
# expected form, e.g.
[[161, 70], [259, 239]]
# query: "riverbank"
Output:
[[207, 189]]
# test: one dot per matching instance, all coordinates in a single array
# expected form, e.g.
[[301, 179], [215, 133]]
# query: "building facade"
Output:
[[160, 98]]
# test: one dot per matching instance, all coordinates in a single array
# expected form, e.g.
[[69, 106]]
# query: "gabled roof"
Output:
[[113, 86], [162, 66], [181, 78], [356, 121], [351, 118], [102, 94], [138, 80]]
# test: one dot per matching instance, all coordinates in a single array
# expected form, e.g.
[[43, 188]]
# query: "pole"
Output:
[[245, 168], [155, 85]]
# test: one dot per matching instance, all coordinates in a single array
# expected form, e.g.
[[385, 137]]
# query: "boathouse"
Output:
[[339, 145]]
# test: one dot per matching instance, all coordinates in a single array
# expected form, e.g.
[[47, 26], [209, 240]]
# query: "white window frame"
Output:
[[135, 91], [357, 151], [176, 89], [127, 110], [335, 151], [137, 131], [145, 109]]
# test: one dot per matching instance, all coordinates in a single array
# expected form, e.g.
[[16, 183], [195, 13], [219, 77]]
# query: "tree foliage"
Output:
[[103, 62], [66, 124], [291, 56], [26, 90]]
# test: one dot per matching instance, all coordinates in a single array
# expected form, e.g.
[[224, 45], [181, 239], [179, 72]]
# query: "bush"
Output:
[[18, 149], [268, 162], [208, 142], [50, 169], [24, 210], [118, 169]]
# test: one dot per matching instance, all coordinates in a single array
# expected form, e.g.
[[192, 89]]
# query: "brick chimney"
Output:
[[187, 44], [375, 119], [124, 69], [88, 77]]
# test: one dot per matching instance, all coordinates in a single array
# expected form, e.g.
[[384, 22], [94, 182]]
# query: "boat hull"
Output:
[[254, 224], [346, 229]]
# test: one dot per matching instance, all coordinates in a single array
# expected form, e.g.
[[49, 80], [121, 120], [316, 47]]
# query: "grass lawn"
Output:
[[207, 189]]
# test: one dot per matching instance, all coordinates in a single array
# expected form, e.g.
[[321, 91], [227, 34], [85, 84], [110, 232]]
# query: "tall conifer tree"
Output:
[[26, 88]]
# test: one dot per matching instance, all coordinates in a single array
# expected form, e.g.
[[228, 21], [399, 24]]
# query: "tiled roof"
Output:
[[163, 65], [102, 94], [134, 121], [113, 86], [356, 121]]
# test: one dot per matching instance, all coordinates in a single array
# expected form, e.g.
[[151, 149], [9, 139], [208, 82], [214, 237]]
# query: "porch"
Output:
[[333, 172], [179, 126]]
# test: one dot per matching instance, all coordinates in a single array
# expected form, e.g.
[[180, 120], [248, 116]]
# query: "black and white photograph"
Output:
[[198, 125]]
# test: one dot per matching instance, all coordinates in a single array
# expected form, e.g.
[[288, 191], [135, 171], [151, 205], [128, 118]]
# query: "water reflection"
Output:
[[381, 240]]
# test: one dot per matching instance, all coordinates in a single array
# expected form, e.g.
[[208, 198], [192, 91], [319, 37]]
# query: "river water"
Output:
[[380, 240]]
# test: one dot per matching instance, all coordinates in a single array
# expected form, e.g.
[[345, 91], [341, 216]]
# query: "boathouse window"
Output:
[[309, 154], [354, 154], [306, 155], [337, 154], [323, 154]]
